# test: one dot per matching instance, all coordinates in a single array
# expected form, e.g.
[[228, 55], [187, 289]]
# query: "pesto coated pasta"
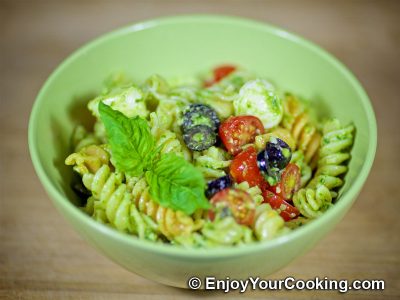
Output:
[[212, 162], [305, 133], [169, 222], [223, 159]]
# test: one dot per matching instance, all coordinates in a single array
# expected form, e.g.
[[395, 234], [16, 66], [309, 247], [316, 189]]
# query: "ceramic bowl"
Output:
[[180, 46]]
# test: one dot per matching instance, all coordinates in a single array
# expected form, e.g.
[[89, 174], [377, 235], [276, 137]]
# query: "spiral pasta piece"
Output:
[[88, 159], [255, 192], [169, 222], [99, 132], [169, 97], [102, 184], [313, 202], [297, 121], [195, 240], [220, 95], [220, 232], [278, 132], [334, 151], [212, 162], [110, 203], [155, 88], [227, 232], [170, 111], [296, 223], [167, 140], [159, 124], [267, 223], [305, 169], [81, 138], [184, 94]]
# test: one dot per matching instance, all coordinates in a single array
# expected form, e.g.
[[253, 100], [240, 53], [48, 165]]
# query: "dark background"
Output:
[[42, 257]]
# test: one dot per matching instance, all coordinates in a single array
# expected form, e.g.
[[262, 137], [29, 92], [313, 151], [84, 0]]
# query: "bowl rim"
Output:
[[225, 251]]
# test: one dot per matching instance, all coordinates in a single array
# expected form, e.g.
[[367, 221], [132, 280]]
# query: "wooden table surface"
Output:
[[41, 257]]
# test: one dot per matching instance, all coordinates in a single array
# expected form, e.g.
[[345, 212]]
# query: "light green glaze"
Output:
[[180, 46]]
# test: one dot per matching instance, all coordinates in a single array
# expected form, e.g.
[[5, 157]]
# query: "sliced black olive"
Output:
[[217, 185], [200, 114], [199, 138], [274, 158]]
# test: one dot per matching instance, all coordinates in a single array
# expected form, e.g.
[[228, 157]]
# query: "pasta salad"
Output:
[[223, 159]]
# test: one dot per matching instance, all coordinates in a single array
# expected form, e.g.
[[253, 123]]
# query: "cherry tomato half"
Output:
[[220, 72], [290, 182], [244, 168], [286, 211], [238, 131], [223, 71], [233, 202]]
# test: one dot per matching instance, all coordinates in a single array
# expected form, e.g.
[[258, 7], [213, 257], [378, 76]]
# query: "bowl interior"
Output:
[[186, 46]]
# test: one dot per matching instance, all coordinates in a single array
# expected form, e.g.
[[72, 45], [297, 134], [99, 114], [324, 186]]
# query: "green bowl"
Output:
[[186, 45]]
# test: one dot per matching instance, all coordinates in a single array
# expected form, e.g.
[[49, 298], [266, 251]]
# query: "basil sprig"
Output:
[[173, 182]]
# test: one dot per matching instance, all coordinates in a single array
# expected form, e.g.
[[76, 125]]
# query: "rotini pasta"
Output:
[[212, 162], [178, 139], [227, 232], [279, 132], [81, 138], [99, 131], [89, 159], [184, 94], [221, 95], [170, 223], [254, 191], [167, 140], [267, 223], [103, 184], [221, 232], [155, 87], [305, 169], [112, 203], [336, 141], [334, 150], [313, 202], [305, 133], [296, 223]]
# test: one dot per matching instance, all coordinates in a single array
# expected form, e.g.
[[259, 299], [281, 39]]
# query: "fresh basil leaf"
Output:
[[132, 145], [177, 184]]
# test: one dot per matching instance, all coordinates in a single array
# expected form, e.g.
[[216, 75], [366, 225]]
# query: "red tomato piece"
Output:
[[290, 182], [244, 168], [237, 203], [222, 71], [238, 131], [219, 73], [286, 211]]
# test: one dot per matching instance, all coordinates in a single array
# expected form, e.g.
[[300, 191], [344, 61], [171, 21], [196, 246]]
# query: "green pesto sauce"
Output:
[[237, 81], [198, 137], [272, 180], [199, 119], [286, 152], [275, 102], [273, 140]]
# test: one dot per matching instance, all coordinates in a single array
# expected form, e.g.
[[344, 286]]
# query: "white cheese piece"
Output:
[[258, 98]]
